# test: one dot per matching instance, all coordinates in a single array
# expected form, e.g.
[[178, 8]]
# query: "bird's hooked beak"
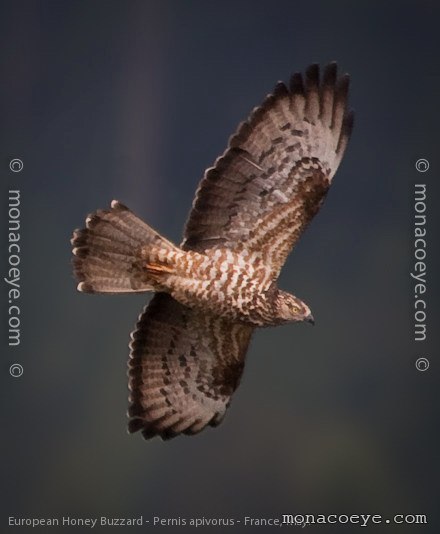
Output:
[[309, 318]]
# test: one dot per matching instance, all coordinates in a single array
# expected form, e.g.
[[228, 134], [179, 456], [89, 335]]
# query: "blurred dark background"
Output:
[[133, 100]]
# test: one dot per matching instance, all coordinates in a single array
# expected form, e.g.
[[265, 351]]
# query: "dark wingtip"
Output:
[[280, 90], [330, 74], [348, 123], [312, 76], [342, 87], [296, 84], [346, 129], [134, 425], [148, 430]]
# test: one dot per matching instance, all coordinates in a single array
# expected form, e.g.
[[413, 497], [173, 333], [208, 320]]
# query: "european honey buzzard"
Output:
[[189, 345]]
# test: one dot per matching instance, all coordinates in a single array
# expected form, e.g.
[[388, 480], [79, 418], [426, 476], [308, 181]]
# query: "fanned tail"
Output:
[[111, 254]]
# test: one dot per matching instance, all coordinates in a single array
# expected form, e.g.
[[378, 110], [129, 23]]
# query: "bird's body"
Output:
[[231, 284], [221, 282], [188, 349]]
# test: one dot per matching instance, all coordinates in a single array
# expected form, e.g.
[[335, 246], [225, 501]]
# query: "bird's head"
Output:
[[291, 309]]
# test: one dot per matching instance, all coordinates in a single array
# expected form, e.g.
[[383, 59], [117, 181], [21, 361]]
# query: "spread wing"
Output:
[[183, 368], [275, 174]]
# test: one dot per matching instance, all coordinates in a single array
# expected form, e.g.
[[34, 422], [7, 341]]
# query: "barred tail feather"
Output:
[[110, 253]]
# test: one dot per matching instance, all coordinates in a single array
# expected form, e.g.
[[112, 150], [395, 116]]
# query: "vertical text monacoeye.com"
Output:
[[419, 270], [12, 277]]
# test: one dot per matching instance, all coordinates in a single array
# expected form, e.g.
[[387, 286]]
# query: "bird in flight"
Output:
[[188, 349]]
